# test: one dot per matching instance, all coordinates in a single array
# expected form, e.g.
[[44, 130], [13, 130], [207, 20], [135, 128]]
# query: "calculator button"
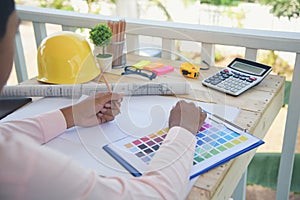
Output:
[[221, 85], [249, 80], [222, 78], [207, 80], [225, 76], [215, 82]]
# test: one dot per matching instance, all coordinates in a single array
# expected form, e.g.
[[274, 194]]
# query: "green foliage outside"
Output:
[[237, 16], [218, 56], [280, 8], [280, 66], [284, 8], [101, 35], [221, 2], [57, 4], [161, 6]]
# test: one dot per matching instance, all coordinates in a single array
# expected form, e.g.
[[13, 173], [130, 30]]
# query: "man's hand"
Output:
[[187, 115], [94, 110]]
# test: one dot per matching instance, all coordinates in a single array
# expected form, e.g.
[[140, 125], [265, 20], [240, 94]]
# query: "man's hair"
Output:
[[6, 8]]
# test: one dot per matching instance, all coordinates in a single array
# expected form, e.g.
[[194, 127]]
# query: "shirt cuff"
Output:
[[53, 124], [185, 137]]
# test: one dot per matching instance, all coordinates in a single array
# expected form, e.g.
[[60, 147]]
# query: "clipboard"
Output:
[[218, 141], [9, 105]]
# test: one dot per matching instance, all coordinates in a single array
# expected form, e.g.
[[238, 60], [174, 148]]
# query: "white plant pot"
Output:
[[105, 63], [97, 50]]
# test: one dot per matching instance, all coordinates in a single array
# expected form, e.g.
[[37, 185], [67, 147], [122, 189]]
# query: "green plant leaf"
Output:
[[100, 35]]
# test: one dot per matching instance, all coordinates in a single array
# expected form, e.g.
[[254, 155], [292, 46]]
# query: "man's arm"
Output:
[[34, 172]]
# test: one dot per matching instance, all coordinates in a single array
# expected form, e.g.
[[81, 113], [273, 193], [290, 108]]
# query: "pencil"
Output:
[[109, 23], [110, 91], [114, 41], [120, 47]]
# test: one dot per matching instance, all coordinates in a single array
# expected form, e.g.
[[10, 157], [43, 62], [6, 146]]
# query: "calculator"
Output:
[[239, 76]]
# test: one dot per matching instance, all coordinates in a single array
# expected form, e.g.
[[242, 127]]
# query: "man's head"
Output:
[[6, 8], [8, 26]]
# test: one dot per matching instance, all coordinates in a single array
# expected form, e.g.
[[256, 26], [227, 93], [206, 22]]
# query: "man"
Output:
[[31, 171]]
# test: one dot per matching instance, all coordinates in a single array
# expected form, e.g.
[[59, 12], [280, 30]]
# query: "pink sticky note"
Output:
[[163, 70]]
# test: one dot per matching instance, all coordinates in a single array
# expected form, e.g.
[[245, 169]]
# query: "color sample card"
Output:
[[217, 142], [145, 147]]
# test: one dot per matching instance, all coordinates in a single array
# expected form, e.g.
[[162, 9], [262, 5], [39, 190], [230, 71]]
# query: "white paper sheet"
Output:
[[140, 115]]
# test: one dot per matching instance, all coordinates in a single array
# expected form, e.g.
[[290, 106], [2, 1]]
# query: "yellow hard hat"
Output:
[[66, 58]]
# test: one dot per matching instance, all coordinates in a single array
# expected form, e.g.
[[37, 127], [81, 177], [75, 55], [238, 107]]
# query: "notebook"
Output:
[[218, 141], [9, 105]]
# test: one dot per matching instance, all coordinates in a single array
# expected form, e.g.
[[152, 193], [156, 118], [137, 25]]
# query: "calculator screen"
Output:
[[247, 68]]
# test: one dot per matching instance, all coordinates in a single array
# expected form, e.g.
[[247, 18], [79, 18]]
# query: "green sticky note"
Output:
[[141, 64]]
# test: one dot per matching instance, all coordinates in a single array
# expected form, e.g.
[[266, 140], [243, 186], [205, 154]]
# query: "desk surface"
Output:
[[258, 108]]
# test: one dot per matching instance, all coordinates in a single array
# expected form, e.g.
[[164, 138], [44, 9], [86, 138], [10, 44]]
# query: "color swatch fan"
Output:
[[217, 143]]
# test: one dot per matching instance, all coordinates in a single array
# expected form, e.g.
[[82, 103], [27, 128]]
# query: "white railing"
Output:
[[169, 32]]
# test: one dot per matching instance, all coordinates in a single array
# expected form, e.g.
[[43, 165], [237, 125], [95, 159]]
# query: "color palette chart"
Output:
[[217, 143], [145, 147]]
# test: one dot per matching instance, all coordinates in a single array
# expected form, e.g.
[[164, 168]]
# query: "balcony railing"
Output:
[[169, 32]]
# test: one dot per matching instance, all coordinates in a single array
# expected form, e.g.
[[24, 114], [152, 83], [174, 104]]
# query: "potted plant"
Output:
[[101, 36]]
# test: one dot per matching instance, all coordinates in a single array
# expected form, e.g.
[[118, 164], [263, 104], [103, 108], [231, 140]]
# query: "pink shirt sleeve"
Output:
[[31, 171], [41, 128]]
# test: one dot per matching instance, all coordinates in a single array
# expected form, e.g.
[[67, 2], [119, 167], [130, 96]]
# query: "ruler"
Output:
[[133, 89]]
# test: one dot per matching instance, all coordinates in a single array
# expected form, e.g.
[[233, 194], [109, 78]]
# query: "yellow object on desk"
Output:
[[66, 58], [142, 64], [154, 65], [190, 70]]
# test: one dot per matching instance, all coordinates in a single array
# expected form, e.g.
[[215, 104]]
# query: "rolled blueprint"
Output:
[[147, 88]]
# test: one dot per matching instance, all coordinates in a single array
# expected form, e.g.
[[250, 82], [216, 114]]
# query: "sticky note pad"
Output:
[[163, 70], [152, 66], [142, 64]]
